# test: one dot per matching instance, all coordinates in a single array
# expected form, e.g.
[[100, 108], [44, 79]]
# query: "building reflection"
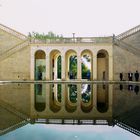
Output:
[[94, 104]]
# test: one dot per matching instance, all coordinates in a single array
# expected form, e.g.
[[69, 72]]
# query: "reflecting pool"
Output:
[[69, 111]]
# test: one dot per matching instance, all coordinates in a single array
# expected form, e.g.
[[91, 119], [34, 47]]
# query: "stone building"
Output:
[[22, 58]]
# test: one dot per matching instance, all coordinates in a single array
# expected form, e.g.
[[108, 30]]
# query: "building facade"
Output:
[[23, 58]]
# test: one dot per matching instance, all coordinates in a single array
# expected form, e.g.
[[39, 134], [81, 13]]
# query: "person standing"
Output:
[[121, 76], [137, 76], [130, 76]]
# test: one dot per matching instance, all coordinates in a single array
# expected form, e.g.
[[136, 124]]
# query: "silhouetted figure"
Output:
[[130, 76], [121, 87], [137, 76], [136, 89], [121, 76]]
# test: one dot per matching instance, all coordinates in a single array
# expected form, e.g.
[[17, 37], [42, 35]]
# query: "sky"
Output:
[[69, 132], [82, 17]]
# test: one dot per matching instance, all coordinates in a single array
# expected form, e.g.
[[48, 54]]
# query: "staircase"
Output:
[[128, 47], [128, 33], [12, 32], [14, 49], [24, 42], [128, 128]]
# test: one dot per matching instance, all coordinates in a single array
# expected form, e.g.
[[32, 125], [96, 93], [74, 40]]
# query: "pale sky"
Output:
[[82, 17]]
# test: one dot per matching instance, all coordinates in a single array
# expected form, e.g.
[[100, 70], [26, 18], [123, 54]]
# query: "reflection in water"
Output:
[[40, 102], [69, 104], [55, 97], [86, 93], [87, 97], [102, 98], [72, 93]]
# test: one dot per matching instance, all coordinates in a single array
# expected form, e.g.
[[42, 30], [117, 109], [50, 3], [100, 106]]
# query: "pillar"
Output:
[[110, 67], [63, 67], [48, 66], [79, 67], [32, 66], [94, 67], [94, 95]]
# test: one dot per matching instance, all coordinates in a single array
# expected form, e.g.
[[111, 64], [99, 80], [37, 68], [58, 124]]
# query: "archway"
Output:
[[55, 65], [86, 65], [40, 65], [102, 65], [71, 65]]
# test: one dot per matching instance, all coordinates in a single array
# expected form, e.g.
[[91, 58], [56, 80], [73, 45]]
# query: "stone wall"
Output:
[[124, 61], [16, 96], [16, 66]]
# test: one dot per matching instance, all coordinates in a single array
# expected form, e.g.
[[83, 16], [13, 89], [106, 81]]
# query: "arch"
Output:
[[40, 65], [102, 65], [86, 64], [40, 96], [71, 64], [55, 64], [102, 98]]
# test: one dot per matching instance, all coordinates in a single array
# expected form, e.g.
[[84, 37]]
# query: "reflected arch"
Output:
[[71, 64], [102, 65], [40, 65], [55, 64], [102, 98], [86, 64]]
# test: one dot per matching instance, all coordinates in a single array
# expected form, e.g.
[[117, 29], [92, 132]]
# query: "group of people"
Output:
[[130, 76]]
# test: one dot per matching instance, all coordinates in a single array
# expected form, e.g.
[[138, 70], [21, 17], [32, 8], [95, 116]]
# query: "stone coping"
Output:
[[71, 82]]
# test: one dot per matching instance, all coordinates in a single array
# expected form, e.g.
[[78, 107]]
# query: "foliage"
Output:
[[41, 68], [43, 36]]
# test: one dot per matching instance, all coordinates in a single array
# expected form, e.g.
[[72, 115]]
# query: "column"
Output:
[[63, 66], [48, 66], [78, 66], [32, 66], [110, 98], [95, 96], [63, 97], [110, 67], [94, 67]]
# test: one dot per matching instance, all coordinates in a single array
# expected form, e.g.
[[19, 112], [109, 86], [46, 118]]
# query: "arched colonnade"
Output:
[[65, 64]]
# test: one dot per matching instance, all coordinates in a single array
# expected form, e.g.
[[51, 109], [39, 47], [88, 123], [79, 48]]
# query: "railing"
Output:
[[128, 33], [128, 128], [13, 32], [72, 40], [14, 49], [71, 121]]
